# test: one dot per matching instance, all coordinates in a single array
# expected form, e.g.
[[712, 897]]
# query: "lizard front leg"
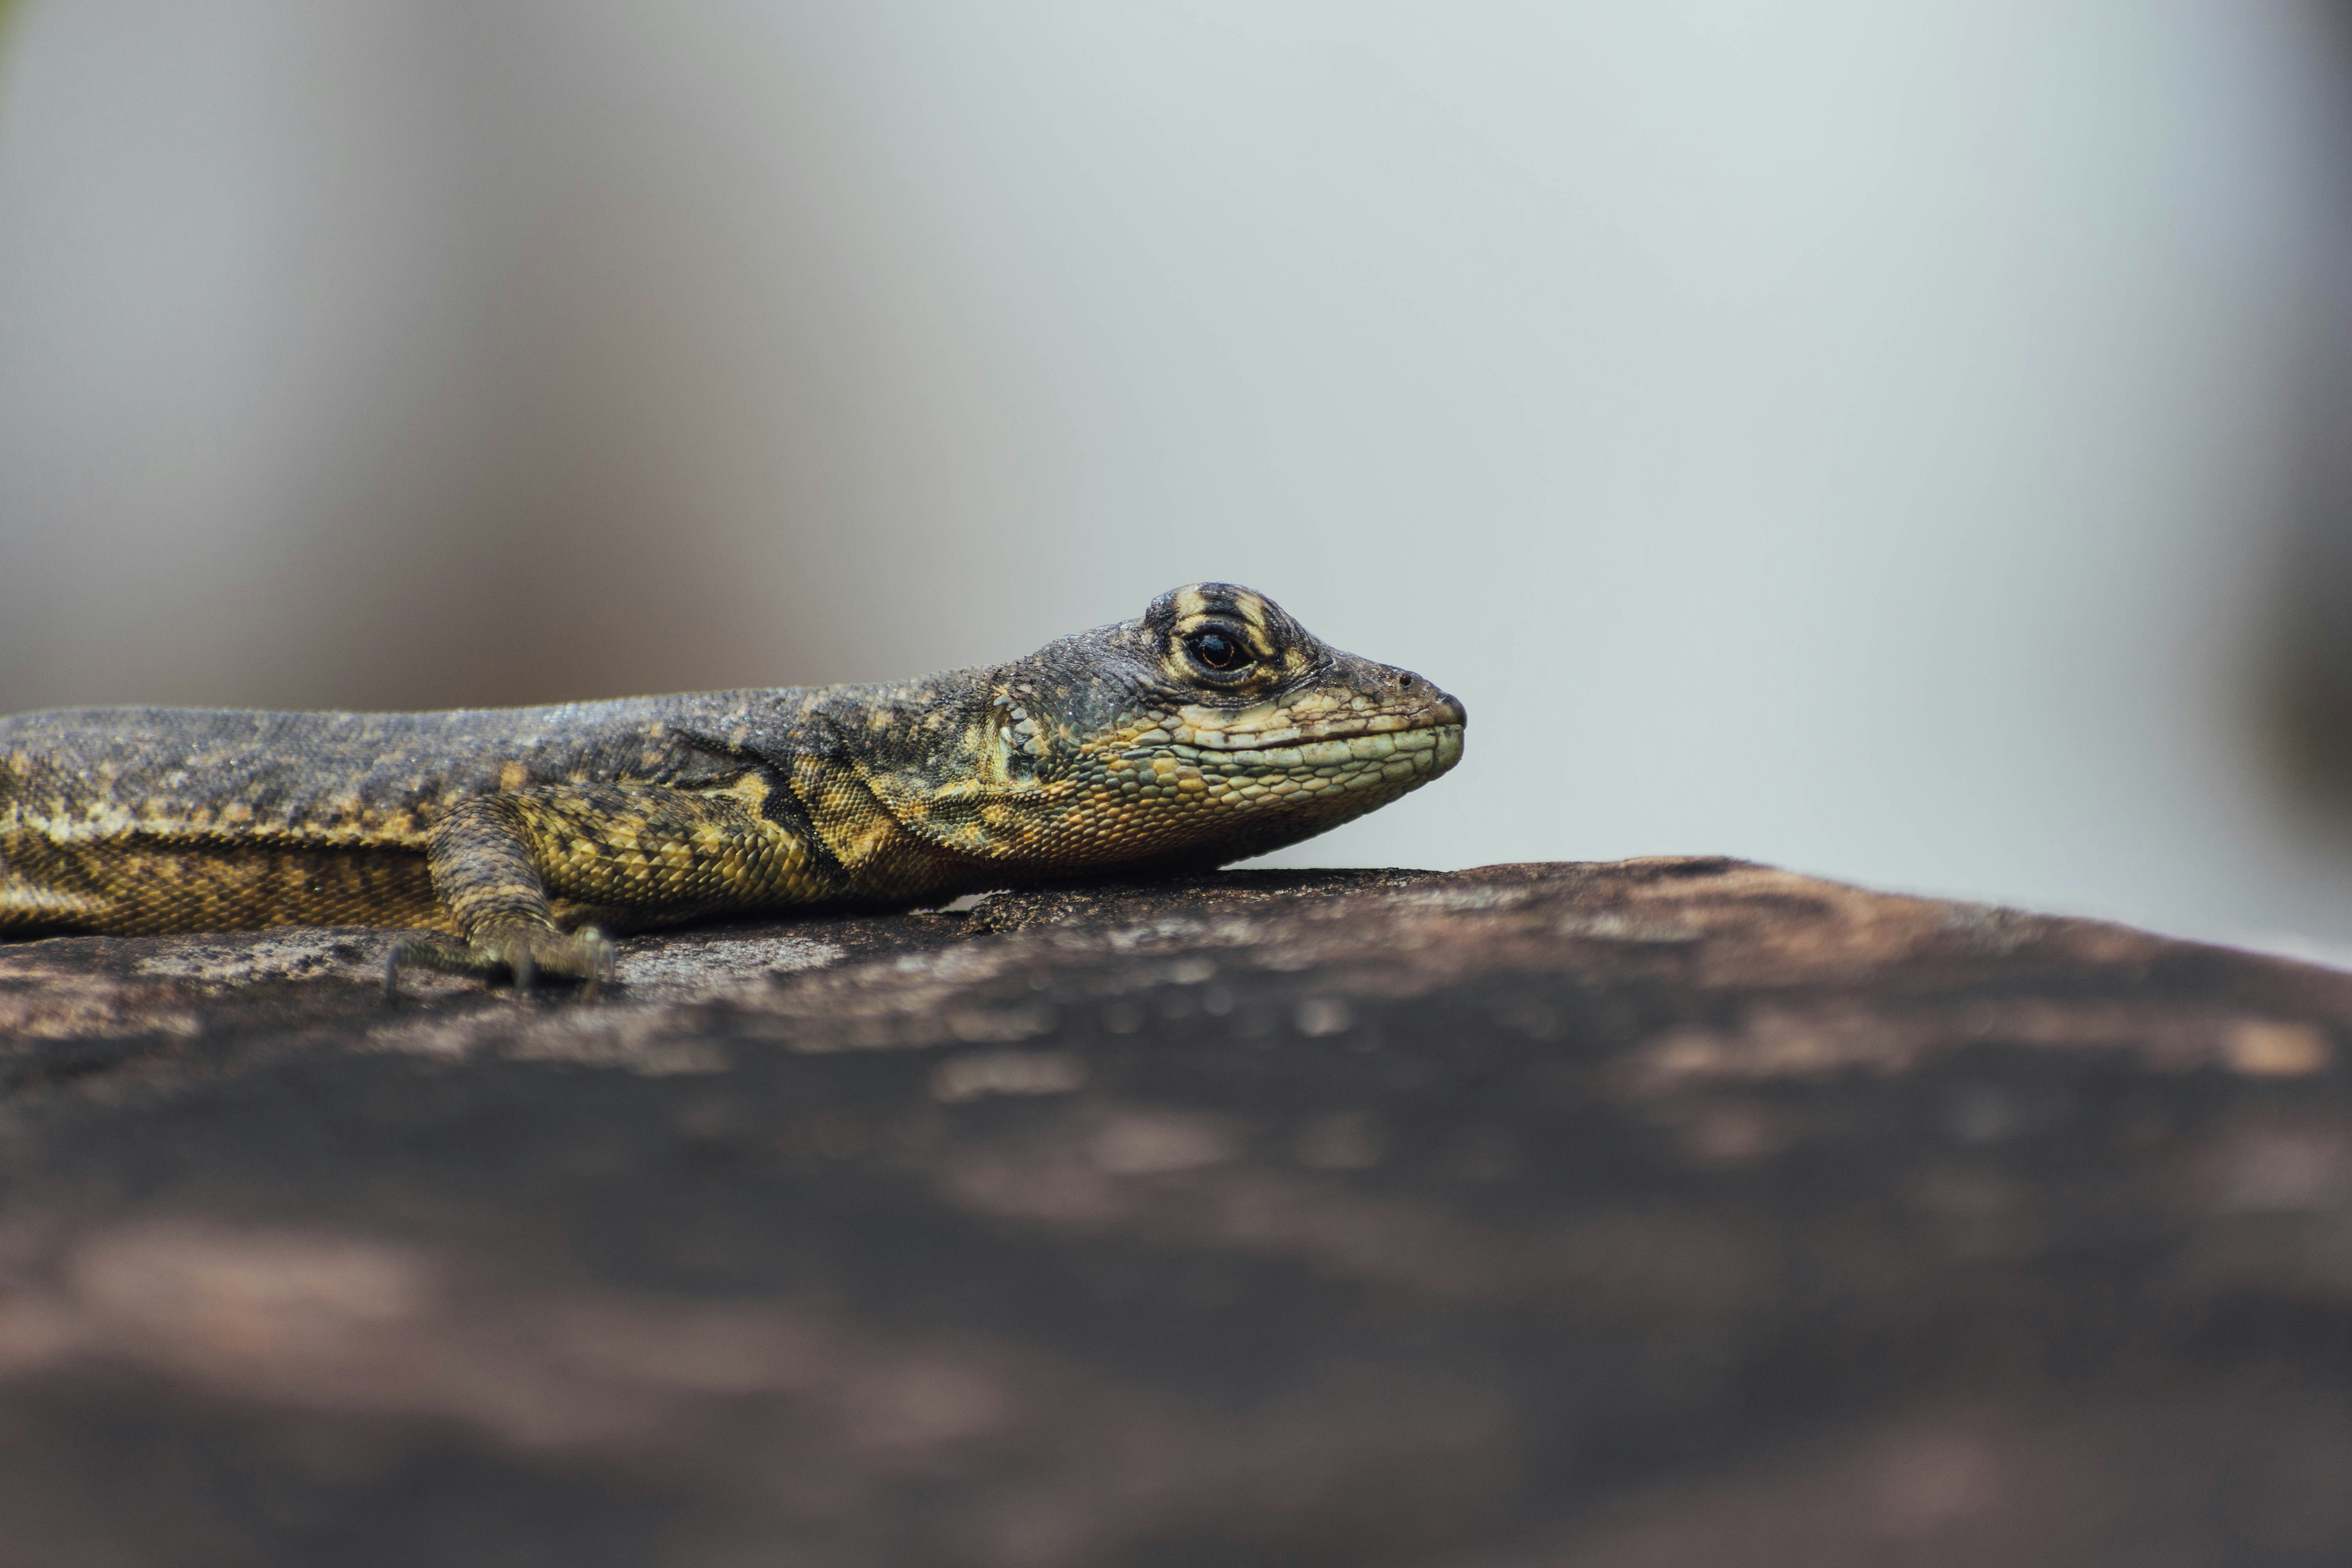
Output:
[[507, 867]]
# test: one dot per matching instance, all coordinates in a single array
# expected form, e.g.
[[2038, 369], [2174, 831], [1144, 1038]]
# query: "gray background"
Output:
[[1895, 441]]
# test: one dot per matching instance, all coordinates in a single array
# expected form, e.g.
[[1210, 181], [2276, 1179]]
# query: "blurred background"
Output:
[[1906, 443]]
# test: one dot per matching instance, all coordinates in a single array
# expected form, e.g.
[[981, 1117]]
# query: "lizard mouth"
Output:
[[1408, 752], [1442, 711]]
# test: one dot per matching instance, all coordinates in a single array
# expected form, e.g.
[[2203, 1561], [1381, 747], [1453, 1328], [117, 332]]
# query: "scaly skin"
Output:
[[526, 832]]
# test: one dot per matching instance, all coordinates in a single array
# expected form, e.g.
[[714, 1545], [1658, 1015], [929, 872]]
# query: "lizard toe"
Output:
[[529, 953]]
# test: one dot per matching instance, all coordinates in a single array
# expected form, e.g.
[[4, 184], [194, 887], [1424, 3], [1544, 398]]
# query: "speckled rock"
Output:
[[1662, 1213]]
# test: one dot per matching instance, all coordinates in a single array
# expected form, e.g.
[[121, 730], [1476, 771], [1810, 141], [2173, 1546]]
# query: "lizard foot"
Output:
[[524, 953]]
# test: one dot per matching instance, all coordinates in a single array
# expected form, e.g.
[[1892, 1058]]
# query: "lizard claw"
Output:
[[525, 955], [531, 954]]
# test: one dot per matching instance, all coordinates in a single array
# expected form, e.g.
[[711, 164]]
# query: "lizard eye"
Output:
[[1217, 651]]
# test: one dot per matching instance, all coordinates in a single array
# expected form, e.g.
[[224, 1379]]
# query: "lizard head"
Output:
[[1212, 728]]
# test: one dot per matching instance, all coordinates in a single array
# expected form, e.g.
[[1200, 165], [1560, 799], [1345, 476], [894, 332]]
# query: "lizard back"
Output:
[[137, 820]]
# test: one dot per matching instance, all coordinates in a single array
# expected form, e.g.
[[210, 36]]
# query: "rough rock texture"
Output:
[[1671, 1212]]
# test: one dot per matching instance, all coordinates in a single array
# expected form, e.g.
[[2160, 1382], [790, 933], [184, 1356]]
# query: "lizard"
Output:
[[512, 843]]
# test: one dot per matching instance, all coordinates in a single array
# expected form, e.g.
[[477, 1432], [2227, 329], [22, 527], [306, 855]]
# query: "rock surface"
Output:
[[1662, 1213]]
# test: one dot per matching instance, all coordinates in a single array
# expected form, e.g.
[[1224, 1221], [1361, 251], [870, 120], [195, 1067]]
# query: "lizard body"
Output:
[[1211, 729]]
